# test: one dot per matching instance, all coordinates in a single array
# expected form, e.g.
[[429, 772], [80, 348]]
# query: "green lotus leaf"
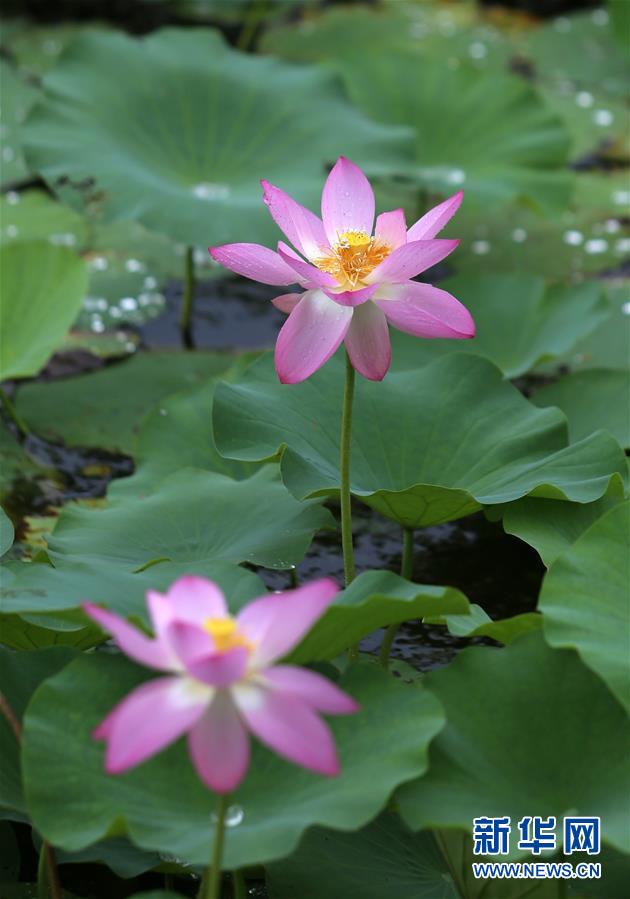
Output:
[[178, 433], [552, 526], [20, 674], [200, 125], [528, 728], [43, 287], [103, 408], [429, 445], [33, 215], [477, 623], [544, 322], [38, 589], [374, 599], [15, 464], [584, 599], [591, 400], [36, 631], [597, 123], [162, 805], [6, 532], [607, 346], [517, 148], [193, 516], [17, 96], [383, 859]]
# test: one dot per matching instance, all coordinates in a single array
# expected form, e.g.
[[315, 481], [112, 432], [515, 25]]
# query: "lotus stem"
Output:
[[344, 469], [239, 885], [211, 883], [188, 296], [406, 571], [13, 414]]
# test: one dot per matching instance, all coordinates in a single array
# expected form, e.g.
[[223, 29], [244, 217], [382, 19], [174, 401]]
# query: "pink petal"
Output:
[[411, 259], [277, 622], [287, 302], [367, 342], [317, 691], [302, 227], [152, 716], [255, 262], [188, 641], [426, 311], [288, 726], [352, 297], [219, 746], [310, 336], [434, 220], [220, 669], [131, 641], [347, 201], [195, 599], [391, 228], [305, 273]]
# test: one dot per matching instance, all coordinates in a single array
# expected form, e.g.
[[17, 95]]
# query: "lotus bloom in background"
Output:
[[221, 682], [356, 281]]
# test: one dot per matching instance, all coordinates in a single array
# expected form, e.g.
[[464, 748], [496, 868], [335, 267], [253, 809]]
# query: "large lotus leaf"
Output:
[[530, 730], [584, 599], [20, 674], [374, 599], [513, 147], [580, 49], [477, 623], [589, 236], [552, 526], [383, 859], [176, 434], [200, 126], [607, 346], [520, 322], [42, 286], [591, 400], [597, 123], [162, 805], [33, 215], [194, 516], [429, 445], [103, 408], [30, 589], [16, 96]]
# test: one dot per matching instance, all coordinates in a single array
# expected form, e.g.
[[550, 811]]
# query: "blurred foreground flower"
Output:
[[356, 282], [222, 683]]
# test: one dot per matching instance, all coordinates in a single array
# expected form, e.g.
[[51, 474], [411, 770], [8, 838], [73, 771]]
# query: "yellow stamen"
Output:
[[353, 257], [225, 634]]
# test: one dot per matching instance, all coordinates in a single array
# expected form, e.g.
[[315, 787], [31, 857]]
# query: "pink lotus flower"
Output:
[[221, 682], [356, 282]]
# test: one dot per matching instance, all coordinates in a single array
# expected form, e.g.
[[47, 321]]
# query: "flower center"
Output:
[[353, 257], [225, 634]]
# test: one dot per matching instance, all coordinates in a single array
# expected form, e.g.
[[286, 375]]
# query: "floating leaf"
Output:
[[16, 96], [200, 126], [543, 322], [591, 400], [516, 148], [584, 599], [517, 738], [43, 287], [33, 215], [162, 805], [103, 408], [374, 599], [429, 445], [20, 674], [382, 859], [194, 516]]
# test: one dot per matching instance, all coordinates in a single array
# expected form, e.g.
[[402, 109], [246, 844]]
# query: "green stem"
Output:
[[344, 470], [13, 414], [47, 879], [239, 885], [185, 319], [212, 888], [406, 571]]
